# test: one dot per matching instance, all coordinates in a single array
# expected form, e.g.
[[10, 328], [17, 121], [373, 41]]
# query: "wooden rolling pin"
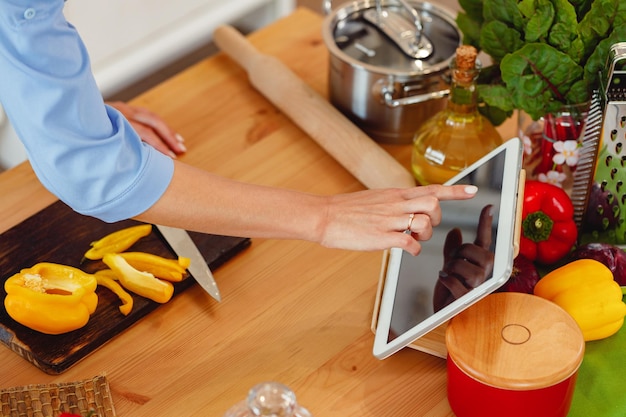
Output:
[[353, 149]]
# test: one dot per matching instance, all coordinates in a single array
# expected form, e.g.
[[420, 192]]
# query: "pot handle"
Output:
[[386, 91], [420, 98]]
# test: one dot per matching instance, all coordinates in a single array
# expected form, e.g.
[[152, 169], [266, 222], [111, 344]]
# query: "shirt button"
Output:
[[29, 13]]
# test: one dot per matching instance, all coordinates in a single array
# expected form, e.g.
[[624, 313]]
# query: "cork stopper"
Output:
[[465, 63]]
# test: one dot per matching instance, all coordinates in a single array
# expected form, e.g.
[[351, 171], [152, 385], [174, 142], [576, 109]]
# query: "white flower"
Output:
[[528, 145], [567, 152], [553, 177]]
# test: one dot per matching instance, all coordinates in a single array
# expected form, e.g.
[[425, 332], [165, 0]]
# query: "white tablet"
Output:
[[469, 255]]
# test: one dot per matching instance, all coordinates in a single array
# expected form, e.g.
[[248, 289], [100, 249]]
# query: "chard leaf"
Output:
[[470, 29], [581, 7], [526, 7], [579, 92], [505, 11], [597, 23], [495, 103], [566, 14], [563, 34], [497, 40], [473, 9], [495, 115], [597, 61], [496, 96], [576, 51], [539, 22], [560, 37], [537, 76], [489, 74], [620, 17]]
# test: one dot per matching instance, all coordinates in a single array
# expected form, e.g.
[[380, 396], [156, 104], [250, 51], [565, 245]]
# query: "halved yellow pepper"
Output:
[[117, 241], [585, 288], [51, 298], [141, 283], [111, 284], [169, 269]]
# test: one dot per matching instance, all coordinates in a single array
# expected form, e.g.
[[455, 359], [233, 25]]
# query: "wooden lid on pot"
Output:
[[515, 341]]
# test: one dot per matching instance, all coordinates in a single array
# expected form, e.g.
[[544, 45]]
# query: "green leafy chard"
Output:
[[545, 53]]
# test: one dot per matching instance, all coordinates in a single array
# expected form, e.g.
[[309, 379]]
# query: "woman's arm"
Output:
[[367, 220]]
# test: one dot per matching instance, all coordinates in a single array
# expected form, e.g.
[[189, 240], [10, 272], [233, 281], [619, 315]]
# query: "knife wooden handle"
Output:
[[334, 132]]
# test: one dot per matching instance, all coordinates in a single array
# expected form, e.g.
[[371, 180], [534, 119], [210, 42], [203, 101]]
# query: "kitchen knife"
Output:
[[180, 241]]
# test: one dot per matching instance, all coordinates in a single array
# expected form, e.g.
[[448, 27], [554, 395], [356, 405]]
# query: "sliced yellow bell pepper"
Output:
[[585, 288], [51, 298], [169, 269], [111, 284], [141, 283], [108, 273], [117, 241]]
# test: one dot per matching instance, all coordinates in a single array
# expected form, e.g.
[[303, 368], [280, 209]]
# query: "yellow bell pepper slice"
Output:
[[141, 283], [173, 270], [51, 298], [108, 273], [117, 241], [585, 288], [111, 284]]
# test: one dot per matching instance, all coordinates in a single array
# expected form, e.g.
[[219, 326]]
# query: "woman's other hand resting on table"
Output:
[[151, 128]]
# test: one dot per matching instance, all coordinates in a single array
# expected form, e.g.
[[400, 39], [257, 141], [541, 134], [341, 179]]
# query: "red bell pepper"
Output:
[[548, 228]]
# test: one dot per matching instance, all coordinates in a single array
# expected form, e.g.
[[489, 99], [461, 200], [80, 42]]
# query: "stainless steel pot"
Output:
[[389, 64]]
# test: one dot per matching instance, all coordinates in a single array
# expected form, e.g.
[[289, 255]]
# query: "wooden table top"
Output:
[[292, 311]]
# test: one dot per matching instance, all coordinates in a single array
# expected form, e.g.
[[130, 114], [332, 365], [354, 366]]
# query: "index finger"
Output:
[[447, 192]]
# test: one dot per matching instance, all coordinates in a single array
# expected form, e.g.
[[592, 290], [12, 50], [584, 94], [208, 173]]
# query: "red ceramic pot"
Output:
[[514, 355]]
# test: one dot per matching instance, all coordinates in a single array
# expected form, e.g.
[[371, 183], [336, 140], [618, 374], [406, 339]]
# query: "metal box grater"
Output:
[[604, 216]]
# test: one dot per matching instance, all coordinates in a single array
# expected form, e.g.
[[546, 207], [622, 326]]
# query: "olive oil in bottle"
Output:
[[459, 135]]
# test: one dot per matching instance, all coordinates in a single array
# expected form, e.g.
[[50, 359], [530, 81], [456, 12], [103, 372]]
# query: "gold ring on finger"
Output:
[[411, 217]]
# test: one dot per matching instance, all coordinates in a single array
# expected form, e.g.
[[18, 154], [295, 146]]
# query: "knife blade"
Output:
[[180, 241]]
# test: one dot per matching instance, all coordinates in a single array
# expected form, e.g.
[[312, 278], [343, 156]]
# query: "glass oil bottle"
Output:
[[458, 135]]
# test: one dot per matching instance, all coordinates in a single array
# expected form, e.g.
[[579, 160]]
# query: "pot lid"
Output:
[[358, 33], [515, 341]]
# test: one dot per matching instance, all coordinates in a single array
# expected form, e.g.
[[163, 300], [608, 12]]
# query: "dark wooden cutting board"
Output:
[[58, 234]]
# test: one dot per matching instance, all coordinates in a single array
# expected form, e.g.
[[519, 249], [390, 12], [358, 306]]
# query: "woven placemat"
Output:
[[50, 400]]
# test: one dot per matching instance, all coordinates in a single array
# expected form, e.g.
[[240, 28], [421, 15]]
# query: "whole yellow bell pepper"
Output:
[[51, 298], [585, 288]]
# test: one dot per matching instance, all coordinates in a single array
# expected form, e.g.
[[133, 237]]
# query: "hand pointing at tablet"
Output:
[[466, 265]]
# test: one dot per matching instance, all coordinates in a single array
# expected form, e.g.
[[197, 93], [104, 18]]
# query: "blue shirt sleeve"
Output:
[[84, 152]]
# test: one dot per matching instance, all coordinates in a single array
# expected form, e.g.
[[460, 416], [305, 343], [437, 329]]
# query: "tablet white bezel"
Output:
[[503, 259]]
